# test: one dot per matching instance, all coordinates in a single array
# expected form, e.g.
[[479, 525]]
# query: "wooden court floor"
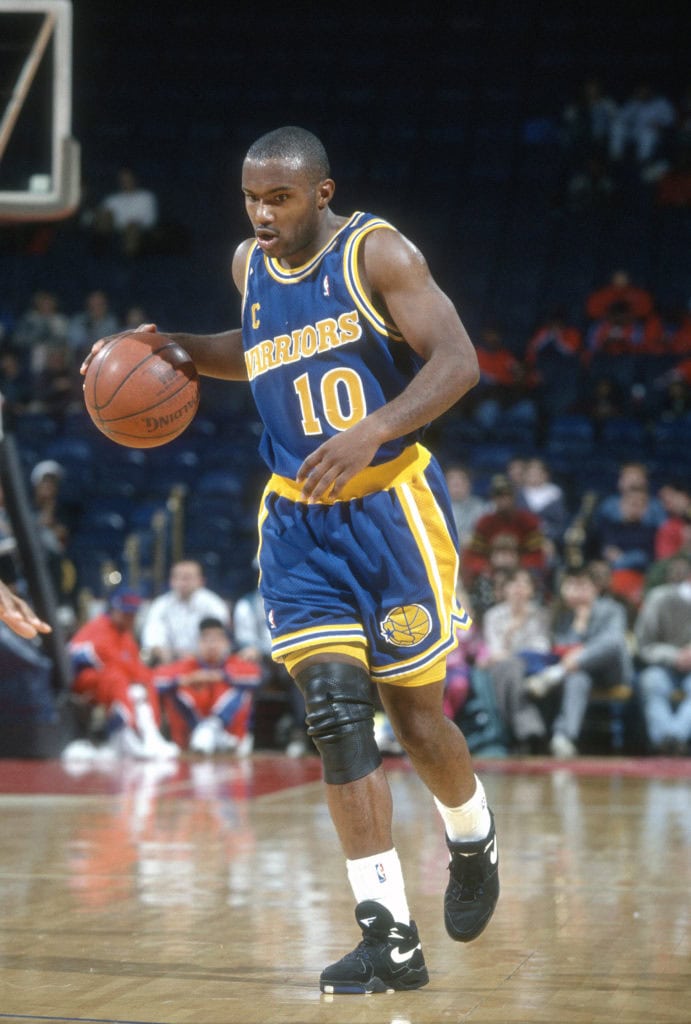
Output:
[[212, 892]]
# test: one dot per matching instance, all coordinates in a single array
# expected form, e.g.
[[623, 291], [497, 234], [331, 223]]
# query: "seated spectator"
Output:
[[56, 520], [15, 385], [95, 322], [627, 541], [108, 671], [642, 130], [632, 475], [627, 544], [40, 328], [587, 124], [515, 471], [670, 570], [487, 586], [503, 389], [467, 507], [619, 333], [506, 520], [517, 641], [620, 291], [675, 497], [663, 640], [56, 385], [208, 697], [170, 629], [589, 639], [545, 499], [129, 214]]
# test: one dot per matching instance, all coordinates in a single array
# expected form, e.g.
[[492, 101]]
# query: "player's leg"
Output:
[[440, 756], [340, 720]]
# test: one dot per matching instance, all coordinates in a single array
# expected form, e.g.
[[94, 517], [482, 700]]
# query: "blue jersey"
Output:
[[319, 355]]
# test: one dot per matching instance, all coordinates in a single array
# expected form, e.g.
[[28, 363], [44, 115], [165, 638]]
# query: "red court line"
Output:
[[241, 779], [264, 774]]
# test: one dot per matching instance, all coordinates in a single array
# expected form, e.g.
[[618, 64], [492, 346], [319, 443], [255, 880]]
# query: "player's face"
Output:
[[285, 207]]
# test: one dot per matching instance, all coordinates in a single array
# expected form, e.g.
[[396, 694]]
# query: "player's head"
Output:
[[294, 146], [287, 189]]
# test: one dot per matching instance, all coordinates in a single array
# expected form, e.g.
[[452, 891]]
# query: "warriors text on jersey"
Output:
[[319, 355]]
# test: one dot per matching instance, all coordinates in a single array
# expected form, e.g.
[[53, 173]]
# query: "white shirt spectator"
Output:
[[137, 207], [170, 629]]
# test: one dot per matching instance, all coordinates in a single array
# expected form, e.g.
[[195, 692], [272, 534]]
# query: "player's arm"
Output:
[[17, 614], [399, 279], [221, 355], [214, 355]]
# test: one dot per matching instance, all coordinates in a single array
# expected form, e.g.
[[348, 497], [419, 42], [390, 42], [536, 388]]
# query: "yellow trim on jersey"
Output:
[[423, 515], [351, 276], [292, 275], [293, 658], [432, 673], [413, 460], [247, 277]]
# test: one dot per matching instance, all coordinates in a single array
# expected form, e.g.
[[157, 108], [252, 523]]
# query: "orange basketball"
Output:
[[141, 390]]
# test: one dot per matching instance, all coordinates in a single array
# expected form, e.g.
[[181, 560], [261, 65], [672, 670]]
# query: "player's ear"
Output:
[[325, 191]]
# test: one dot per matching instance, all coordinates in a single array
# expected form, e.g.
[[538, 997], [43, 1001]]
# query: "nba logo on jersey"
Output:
[[326, 287], [381, 874]]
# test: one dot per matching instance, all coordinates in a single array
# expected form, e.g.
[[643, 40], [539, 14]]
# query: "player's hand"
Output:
[[98, 345], [17, 614], [327, 470]]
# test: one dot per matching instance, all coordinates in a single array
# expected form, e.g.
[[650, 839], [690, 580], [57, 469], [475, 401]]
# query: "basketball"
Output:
[[141, 390]]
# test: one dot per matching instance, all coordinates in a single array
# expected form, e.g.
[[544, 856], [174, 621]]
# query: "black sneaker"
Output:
[[388, 959], [473, 888]]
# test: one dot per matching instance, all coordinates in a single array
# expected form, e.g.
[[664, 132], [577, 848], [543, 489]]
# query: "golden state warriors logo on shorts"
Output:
[[406, 625]]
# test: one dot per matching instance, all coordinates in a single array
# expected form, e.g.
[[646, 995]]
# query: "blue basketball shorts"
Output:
[[371, 574]]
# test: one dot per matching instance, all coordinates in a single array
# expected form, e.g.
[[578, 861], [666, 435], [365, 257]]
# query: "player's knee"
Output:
[[340, 719]]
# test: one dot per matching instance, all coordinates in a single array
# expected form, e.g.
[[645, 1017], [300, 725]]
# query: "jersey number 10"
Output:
[[342, 399]]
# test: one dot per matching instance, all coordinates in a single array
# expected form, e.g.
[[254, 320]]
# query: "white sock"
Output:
[[380, 878], [469, 821]]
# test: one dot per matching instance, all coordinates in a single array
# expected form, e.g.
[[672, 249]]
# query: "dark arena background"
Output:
[[210, 889]]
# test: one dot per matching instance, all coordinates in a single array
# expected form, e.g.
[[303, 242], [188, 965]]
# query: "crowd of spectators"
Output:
[[554, 630]]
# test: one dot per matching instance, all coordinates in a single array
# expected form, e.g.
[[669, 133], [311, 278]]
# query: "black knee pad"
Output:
[[340, 719]]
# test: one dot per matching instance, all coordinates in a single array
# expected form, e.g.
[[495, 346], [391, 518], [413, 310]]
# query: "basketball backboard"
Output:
[[39, 159]]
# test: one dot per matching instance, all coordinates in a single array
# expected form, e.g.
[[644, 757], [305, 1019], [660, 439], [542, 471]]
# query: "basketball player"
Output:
[[17, 614], [351, 349]]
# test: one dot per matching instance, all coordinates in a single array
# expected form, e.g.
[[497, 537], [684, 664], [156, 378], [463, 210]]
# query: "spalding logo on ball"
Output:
[[141, 389]]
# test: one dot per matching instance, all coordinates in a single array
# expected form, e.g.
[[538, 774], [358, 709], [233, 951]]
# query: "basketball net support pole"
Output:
[[34, 564], [23, 83]]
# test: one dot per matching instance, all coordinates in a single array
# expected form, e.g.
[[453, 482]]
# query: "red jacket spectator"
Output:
[[211, 689], [106, 659], [638, 301], [506, 520]]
